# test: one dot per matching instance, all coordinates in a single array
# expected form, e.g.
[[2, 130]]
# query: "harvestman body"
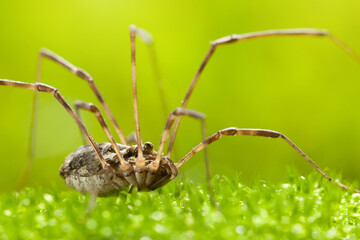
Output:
[[103, 168]]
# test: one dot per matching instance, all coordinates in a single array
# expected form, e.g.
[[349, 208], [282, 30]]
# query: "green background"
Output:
[[306, 88]]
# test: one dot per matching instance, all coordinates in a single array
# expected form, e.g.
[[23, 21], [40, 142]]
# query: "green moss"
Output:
[[300, 208]]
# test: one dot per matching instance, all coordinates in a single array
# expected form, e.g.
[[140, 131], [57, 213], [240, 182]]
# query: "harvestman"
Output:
[[103, 168]]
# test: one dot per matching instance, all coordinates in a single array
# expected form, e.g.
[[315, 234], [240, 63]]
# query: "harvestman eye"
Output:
[[102, 169]]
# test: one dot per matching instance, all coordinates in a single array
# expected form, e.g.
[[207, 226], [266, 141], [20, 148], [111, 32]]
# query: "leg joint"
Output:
[[94, 108], [41, 87], [83, 74], [189, 112], [44, 52]]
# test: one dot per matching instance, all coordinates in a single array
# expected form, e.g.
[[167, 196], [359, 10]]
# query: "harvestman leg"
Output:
[[125, 166], [77, 112], [86, 76], [140, 161], [130, 139], [91, 204], [147, 38], [191, 113], [247, 36], [40, 87], [44, 53], [94, 109], [254, 132]]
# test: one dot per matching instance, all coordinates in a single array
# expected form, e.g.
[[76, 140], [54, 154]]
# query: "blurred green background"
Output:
[[306, 88]]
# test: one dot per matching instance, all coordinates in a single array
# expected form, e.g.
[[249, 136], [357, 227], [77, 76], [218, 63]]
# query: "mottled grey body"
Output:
[[83, 172]]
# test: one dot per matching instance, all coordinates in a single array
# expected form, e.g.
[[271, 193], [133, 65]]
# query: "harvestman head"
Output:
[[103, 168]]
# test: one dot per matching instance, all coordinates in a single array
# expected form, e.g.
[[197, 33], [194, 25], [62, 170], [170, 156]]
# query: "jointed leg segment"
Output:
[[94, 109], [125, 167], [40, 87], [86, 76], [146, 37], [45, 53], [77, 111], [247, 36], [252, 132], [177, 112], [140, 161], [191, 113]]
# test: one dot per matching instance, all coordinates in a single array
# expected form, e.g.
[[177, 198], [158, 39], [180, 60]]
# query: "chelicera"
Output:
[[102, 169]]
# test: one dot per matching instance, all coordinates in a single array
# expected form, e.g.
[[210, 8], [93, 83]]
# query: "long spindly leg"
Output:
[[207, 167], [140, 162], [94, 109], [77, 112], [131, 138], [45, 53], [191, 113], [147, 38], [91, 204], [253, 132], [247, 36], [32, 136], [165, 134], [40, 87]]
